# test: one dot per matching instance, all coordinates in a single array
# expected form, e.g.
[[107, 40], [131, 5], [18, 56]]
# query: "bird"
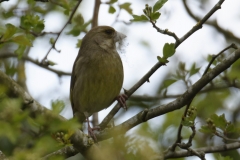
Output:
[[97, 74]]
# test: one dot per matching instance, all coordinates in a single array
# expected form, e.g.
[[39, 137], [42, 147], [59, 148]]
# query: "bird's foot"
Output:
[[91, 132], [122, 100]]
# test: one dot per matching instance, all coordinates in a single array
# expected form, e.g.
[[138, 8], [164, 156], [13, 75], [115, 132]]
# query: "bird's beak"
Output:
[[119, 37]]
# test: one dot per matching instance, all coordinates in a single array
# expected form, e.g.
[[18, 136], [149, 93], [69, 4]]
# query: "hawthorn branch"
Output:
[[201, 21], [213, 23], [44, 61], [147, 98], [212, 149], [36, 62]]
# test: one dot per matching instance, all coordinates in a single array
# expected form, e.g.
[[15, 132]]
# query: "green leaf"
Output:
[[79, 43], [193, 69], [206, 129], [220, 157], [155, 16], [52, 40], [10, 31], [58, 106], [22, 40], [137, 18], [219, 121], [162, 60], [77, 29], [32, 23], [78, 19], [112, 1], [51, 63], [168, 50], [20, 51], [126, 7], [168, 82], [111, 10], [158, 5]]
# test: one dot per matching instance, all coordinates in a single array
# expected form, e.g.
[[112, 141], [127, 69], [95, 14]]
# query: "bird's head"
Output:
[[103, 36]]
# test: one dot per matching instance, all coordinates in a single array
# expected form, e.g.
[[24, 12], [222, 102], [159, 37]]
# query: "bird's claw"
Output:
[[122, 100]]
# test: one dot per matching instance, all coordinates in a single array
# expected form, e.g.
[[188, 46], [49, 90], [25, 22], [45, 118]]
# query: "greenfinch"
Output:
[[97, 74]]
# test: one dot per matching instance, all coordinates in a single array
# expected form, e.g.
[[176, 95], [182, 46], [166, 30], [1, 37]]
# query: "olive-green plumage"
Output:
[[97, 74]]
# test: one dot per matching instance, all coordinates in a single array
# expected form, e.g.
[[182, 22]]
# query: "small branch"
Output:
[[36, 62], [95, 13], [213, 23], [226, 138], [95, 120], [147, 98], [201, 22], [215, 56], [44, 61], [220, 148], [68, 151], [39, 34], [166, 31]]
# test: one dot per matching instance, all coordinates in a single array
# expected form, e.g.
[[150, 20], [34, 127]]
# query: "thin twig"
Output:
[[215, 56], [44, 61], [165, 31], [201, 21], [26, 58], [213, 23]]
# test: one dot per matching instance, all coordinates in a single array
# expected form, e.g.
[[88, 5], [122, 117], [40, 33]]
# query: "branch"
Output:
[[201, 21], [95, 13], [147, 98], [36, 62], [213, 23], [220, 148], [44, 61], [215, 56], [174, 105]]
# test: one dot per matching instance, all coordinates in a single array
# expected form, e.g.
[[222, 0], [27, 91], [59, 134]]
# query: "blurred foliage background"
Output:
[[26, 37]]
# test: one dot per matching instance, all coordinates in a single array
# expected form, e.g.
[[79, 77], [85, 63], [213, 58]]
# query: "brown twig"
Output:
[[201, 21], [213, 23], [214, 149], [36, 62], [165, 31], [215, 56], [95, 13], [44, 61]]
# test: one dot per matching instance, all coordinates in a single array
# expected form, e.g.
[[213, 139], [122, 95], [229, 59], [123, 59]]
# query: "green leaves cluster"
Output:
[[125, 6], [218, 124], [79, 25], [189, 119], [150, 13], [12, 34], [32, 23]]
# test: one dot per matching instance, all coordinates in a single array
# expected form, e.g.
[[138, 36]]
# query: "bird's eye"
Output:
[[109, 31]]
